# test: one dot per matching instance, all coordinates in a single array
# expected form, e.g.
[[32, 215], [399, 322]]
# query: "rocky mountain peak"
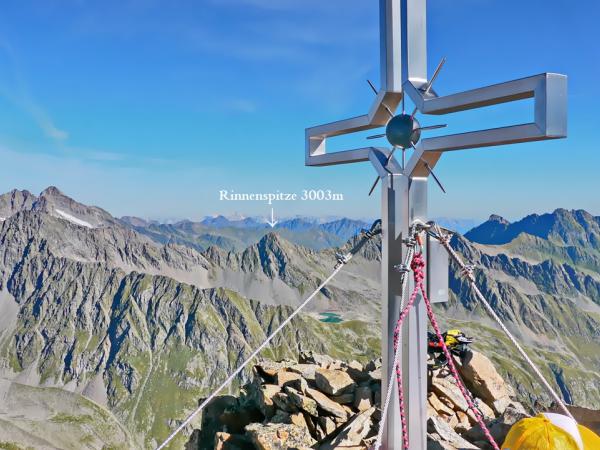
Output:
[[499, 219], [273, 247], [23, 192], [52, 191], [563, 227], [270, 240], [54, 202], [272, 253], [14, 201], [496, 230]]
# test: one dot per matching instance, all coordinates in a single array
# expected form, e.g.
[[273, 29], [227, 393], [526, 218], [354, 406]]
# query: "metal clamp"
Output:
[[402, 268], [342, 259], [468, 272]]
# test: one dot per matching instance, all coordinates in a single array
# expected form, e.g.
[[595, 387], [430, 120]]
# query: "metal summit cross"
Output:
[[404, 186]]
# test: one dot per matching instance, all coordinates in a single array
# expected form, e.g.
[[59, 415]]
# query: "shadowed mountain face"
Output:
[[90, 305]]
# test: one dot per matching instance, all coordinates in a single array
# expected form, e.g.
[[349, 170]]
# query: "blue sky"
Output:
[[151, 107]]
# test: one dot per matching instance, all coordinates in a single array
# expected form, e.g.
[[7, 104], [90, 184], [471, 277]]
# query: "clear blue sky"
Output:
[[149, 107]]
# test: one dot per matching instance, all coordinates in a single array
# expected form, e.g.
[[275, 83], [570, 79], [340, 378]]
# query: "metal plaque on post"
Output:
[[437, 271]]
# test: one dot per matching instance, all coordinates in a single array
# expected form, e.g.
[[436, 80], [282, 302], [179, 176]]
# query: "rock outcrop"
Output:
[[322, 403]]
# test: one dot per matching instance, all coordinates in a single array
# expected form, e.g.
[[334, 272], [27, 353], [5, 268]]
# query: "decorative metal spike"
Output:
[[430, 82], [431, 127], [374, 186], [387, 108], [373, 87], [389, 158], [435, 74], [376, 136], [389, 111], [430, 170]]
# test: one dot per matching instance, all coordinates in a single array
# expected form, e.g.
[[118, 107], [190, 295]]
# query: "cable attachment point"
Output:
[[402, 268], [409, 242], [468, 272], [342, 259], [443, 236], [418, 226], [369, 234]]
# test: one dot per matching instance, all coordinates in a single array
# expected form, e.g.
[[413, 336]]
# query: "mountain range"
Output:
[[239, 234], [142, 330], [134, 321]]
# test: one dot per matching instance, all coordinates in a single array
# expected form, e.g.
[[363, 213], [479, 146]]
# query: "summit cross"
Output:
[[403, 67]]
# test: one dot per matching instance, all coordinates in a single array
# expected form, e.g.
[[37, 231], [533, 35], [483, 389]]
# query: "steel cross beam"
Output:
[[403, 42]]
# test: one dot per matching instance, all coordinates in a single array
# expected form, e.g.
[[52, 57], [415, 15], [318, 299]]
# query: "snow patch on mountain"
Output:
[[74, 219]]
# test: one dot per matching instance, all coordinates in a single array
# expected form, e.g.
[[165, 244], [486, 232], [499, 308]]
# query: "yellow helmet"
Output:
[[550, 431]]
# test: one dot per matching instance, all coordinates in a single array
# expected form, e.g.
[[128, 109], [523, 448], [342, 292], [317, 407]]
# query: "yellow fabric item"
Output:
[[451, 337], [591, 441], [538, 433]]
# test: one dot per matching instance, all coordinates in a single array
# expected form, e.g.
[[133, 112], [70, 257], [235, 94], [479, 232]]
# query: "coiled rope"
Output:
[[342, 260], [418, 265], [465, 393], [469, 275]]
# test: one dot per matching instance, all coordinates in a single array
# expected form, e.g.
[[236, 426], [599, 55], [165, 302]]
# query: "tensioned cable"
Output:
[[342, 261], [468, 273], [390, 385]]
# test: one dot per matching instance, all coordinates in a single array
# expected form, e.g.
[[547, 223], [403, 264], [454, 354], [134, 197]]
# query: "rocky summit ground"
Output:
[[321, 403]]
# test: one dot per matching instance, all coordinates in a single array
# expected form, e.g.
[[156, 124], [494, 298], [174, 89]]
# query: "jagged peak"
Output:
[[54, 202], [273, 243], [13, 193], [499, 219], [15, 201], [576, 213], [52, 191], [24, 192]]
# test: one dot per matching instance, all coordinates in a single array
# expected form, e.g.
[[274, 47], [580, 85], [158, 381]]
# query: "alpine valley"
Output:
[[112, 329]]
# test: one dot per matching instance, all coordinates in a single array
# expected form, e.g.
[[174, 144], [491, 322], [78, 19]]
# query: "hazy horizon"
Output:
[[237, 215], [149, 109]]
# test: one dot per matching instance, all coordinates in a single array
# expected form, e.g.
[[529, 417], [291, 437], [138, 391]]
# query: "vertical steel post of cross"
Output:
[[403, 201]]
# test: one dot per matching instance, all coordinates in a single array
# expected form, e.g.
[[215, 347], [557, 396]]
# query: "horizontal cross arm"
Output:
[[485, 138], [316, 137], [495, 94], [549, 91]]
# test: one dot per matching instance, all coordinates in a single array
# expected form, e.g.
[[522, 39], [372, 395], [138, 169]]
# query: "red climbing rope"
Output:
[[418, 266], [417, 261]]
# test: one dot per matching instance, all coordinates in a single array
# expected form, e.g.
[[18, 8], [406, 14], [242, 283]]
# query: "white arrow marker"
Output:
[[272, 222]]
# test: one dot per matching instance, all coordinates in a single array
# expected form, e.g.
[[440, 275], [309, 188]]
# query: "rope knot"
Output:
[[468, 271], [418, 265]]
